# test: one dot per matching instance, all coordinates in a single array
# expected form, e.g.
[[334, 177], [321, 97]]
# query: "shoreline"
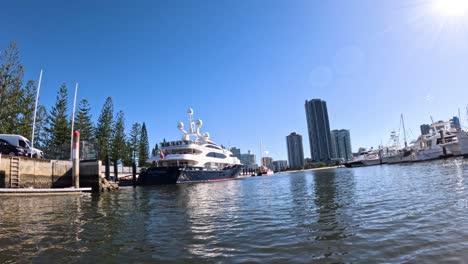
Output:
[[315, 169]]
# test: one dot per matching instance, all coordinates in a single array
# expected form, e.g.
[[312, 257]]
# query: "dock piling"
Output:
[[107, 168], [116, 172], [76, 159], [134, 173]]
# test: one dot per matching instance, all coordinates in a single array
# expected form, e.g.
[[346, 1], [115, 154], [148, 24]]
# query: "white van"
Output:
[[20, 141]]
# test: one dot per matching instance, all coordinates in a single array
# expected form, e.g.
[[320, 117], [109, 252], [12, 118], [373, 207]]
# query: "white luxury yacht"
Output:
[[194, 158]]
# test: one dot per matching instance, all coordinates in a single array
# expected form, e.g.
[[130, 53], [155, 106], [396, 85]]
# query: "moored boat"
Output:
[[364, 159], [195, 158]]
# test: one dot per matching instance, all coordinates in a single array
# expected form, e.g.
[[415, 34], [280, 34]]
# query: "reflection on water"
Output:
[[392, 214]]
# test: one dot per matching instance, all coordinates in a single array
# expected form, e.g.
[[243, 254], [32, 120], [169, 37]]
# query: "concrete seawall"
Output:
[[42, 173]]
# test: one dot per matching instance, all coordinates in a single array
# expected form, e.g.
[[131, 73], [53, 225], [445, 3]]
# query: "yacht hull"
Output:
[[177, 175], [401, 157], [430, 154], [363, 163]]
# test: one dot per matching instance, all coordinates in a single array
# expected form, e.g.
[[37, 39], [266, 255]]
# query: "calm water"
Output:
[[393, 214]]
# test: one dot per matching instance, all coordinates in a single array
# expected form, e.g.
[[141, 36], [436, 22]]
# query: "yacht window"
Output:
[[216, 155]]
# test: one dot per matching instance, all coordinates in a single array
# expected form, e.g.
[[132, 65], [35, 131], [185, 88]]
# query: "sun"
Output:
[[451, 8]]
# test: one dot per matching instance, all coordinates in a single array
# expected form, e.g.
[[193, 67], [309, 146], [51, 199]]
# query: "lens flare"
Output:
[[451, 8]]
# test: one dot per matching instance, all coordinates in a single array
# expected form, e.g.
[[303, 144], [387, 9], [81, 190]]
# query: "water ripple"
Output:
[[392, 214]]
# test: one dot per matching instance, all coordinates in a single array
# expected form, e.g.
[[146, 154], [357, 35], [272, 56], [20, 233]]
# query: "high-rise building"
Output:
[[341, 144], [236, 152], [295, 150], [249, 160], [319, 130], [425, 129], [280, 165], [456, 122]]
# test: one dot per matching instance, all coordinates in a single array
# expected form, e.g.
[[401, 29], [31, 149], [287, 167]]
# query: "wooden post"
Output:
[[76, 159], [134, 168], [107, 168], [116, 172]]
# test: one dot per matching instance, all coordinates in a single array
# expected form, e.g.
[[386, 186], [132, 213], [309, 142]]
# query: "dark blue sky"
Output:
[[247, 67]]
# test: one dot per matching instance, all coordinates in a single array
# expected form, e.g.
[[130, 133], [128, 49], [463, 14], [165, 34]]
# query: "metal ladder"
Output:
[[14, 172]]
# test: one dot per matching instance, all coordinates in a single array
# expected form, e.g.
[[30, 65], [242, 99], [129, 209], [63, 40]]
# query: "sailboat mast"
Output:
[[261, 152], [35, 109], [404, 130]]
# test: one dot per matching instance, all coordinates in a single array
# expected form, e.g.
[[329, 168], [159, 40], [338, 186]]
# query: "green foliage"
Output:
[[155, 151], [134, 143], [58, 125], [104, 128], [28, 100], [144, 145], [83, 122], [119, 142], [315, 165], [128, 159], [11, 91], [41, 136]]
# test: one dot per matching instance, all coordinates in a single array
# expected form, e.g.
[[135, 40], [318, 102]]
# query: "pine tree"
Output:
[[144, 145], [119, 143], [134, 142], [58, 125], [128, 159], [41, 136], [83, 122], [155, 150], [11, 81], [104, 128], [26, 119]]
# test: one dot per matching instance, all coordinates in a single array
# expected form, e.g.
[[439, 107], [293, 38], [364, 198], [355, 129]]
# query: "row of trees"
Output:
[[52, 134]]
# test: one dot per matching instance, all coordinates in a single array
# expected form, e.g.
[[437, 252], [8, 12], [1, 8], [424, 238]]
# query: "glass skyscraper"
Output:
[[295, 151], [341, 144], [319, 130]]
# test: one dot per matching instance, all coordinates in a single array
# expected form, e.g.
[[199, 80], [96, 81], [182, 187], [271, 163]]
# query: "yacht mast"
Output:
[[404, 130]]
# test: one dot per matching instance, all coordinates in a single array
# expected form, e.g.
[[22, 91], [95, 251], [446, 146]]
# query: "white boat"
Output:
[[195, 158], [366, 158], [441, 142], [394, 154], [462, 138]]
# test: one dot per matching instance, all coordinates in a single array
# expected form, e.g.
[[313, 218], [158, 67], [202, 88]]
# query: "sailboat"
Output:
[[263, 170], [394, 154]]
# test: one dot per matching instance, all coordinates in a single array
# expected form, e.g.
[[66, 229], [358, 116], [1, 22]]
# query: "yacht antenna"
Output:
[[404, 130], [190, 114]]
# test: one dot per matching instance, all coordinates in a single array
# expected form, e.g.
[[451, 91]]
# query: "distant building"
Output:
[[308, 161], [425, 129], [319, 130], [267, 161], [456, 122], [236, 152], [249, 160], [280, 165], [341, 144], [295, 151]]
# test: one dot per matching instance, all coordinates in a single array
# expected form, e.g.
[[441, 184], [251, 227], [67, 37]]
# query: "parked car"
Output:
[[8, 149], [22, 142]]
